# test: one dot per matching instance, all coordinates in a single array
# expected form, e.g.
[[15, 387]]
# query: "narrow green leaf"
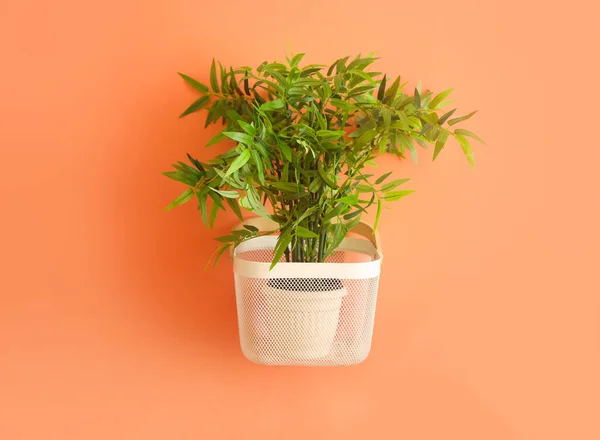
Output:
[[185, 168], [315, 185], [339, 209], [466, 147], [349, 200], [382, 178], [243, 138], [330, 70], [201, 196], [352, 214], [251, 228], [403, 120], [296, 59], [276, 104], [390, 94], [233, 204], [352, 222], [393, 184], [396, 195], [361, 63], [259, 166], [214, 82], [378, 214], [417, 99], [445, 116], [227, 194], [282, 244], [367, 137], [309, 71], [272, 89], [386, 113], [339, 233], [306, 214], [439, 144], [286, 186], [233, 82], [216, 139], [369, 203], [463, 132], [413, 152], [254, 200], [214, 209], [211, 117], [365, 188], [181, 199], [362, 76], [402, 101], [228, 238], [439, 98], [247, 128], [260, 145], [361, 90], [303, 232], [196, 105], [381, 90], [245, 203], [285, 172], [195, 84], [233, 116], [224, 83], [341, 65], [218, 253], [238, 163], [286, 151], [421, 142], [425, 129], [383, 143], [342, 104], [241, 233], [460, 119], [181, 177], [196, 163], [425, 99], [271, 69], [330, 134], [321, 170]]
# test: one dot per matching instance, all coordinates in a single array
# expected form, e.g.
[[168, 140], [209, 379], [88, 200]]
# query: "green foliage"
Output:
[[303, 136]]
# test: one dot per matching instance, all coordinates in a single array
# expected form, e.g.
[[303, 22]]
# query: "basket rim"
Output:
[[359, 270]]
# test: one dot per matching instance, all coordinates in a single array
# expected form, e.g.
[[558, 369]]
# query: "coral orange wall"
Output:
[[488, 319]]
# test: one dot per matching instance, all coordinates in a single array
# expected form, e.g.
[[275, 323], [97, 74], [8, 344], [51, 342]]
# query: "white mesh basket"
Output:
[[307, 313]]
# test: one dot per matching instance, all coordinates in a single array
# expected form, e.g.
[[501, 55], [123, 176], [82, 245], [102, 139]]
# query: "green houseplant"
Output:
[[303, 137]]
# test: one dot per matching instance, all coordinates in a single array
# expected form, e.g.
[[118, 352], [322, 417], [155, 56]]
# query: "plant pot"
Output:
[[300, 319], [306, 313]]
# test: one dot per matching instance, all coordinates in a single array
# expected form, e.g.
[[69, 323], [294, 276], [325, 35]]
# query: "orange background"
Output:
[[488, 319]]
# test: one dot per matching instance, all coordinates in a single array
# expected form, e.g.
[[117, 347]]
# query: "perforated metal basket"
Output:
[[307, 313]]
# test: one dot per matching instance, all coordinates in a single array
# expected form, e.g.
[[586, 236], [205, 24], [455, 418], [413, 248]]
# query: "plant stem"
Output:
[[322, 239]]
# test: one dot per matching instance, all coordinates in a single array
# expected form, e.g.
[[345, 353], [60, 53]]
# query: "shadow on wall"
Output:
[[161, 255]]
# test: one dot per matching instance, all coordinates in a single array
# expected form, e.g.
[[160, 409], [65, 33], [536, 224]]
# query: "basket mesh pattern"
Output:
[[306, 321]]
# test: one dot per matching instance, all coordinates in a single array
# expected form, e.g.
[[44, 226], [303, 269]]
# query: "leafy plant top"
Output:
[[303, 136]]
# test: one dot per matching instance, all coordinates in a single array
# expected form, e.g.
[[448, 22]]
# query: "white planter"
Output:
[[307, 313], [298, 323]]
